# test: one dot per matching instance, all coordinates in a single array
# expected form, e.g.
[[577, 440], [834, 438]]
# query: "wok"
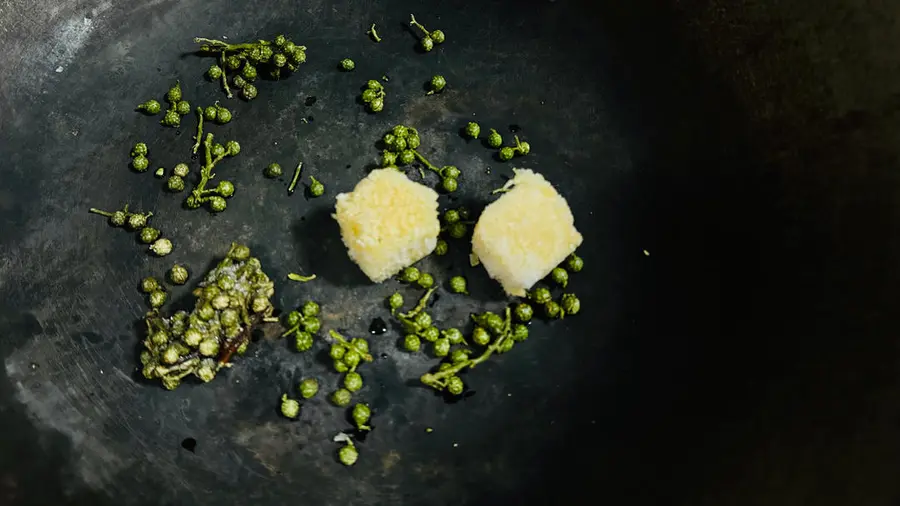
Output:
[[730, 164]]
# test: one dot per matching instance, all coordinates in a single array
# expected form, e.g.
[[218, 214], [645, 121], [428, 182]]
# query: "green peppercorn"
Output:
[[337, 351], [290, 408], [347, 64], [273, 170], [360, 344], [552, 309], [170, 355], [506, 345], [309, 387], [310, 308], [340, 366], [183, 108], [353, 381], [423, 319], [181, 170], [298, 55], [540, 295], [249, 92], [341, 397], [193, 337], [303, 340], [118, 218], [455, 385], [574, 263], [171, 119], [209, 347], [411, 343], [361, 414], [288, 47], [570, 303], [407, 157], [376, 105], [523, 148], [351, 358], [137, 220], [449, 184], [249, 72], [395, 301], [348, 455], [292, 319], [157, 298], [209, 113], [373, 84], [458, 230], [409, 275], [149, 284], [223, 115], [559, 276], [311, 324], [173, 96], [369, 95], [454, 335], [316, 188], [150, 107], [441, 347], [240, 252], [441, 248], [214, 72], [437, 83], [523, 312], [279, 60], [388, 158], [459, 356], [506, 153], [451, 216], [217, 204], [425, 280], [400, 131], [431, 334], [473, 130], [178, 274], [229, 317], [218, 150], [493, 322], [139, 149], [175, 183], [437, 36], [413, 142], [450, 171], [426, 43], [494, 140], [458, 285], [279, 40], [206, 312], [480, 336], [519, 332], [140, 163], [148, 235]]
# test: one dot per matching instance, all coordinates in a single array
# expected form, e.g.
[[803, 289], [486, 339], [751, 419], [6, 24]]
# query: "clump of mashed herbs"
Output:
[[231, 300]]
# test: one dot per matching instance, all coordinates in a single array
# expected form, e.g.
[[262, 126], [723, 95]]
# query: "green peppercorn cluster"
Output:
[[139, 160], [175, 183], [213, 197], [373, 96], [430, 38], [413, 275], [303, 323], [495, 140], [401, 146], [420, 326], [347, 355], [138, 222], [232, 298], [455, 223], [568, 303], [308, 389], [245, 61], [178, 107]]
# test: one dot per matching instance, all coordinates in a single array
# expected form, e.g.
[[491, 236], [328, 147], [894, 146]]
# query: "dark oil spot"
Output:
[[189, 444], [383, 356], [348, 165], [377, 327], [194, 156], [514, 128], [434, 298], [177, 132], [310, 101], [360, 435], [310, 118]]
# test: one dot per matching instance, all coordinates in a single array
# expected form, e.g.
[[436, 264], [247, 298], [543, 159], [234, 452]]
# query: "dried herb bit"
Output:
[[437, 85], [373, 96], [295, 179], [150, 107], [299, 278], [245, 61], [347, 64], [373, 34], [232, 298], [429, 39]]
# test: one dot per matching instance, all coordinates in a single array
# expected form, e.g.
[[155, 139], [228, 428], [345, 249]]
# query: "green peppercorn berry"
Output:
[[218, 150], [523, 148], [232, 148], [310, 308], [454, 335], [480, 336], [399, 144], [209, 113], [373, 84], [570, 303], [395, 301], [523, 312], [139, 149], [233, 62], [506, 345], [316, 188], [353, 381], [455, 385], [229, 317], [183, 108], [137, 220], [249, 72], [376, 105], [450, 171], [140, 163], [279, 40], [239, 81], [423, 319], [459, 356], [493, 322], [181, 170], [341, 397], [506, 153], [361, 414], [473, 130], [193, 337], [411, 343], [159, 338], [437, 36], [337, 351], [149, 284], [171, 119], [288, 47], [223, 115], [351, 358], [441, 347], [175, 183], [458, 285], [574, 263], [431, 334], [273, 170], [409, 275], [388, 158], [441, 248], [279, 60], [348, 64], [311, 324], [206, 312], [400, 131], [413, 142], [340, 366], [157, 298], [148, 235], [240, 252], [214, 72], [303, 340], [292, 319], [451, 216], [519, 332], [298, 55], [309, 387], [173, 96], [290, 408], [150, 107], [449, 184], [427, 43], [494, 140], [540, 295], [217, 204], [559, 276], [458, 230], [438, 83], [552, 309], [425, 280], [170, 355], [249, 92], [407, 157], [369, 95], [348, 455], [118, 218]]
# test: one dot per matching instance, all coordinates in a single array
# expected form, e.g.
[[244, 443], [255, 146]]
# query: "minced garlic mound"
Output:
[[524, 234], [387, 222]]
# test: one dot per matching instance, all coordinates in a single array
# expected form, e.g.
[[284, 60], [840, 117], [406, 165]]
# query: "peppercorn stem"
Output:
[[101, 213], [346, 344], [295, 179], [421, 305], [413, 22], [373, 33], [199, 136], [224, 46], [439, 379], [428, 164], [302, 279], [224, 77]]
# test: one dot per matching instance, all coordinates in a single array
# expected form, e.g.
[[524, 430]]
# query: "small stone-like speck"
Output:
[[59, 69], [429, 430], [455, 445], [646, 253], [33, 366]]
